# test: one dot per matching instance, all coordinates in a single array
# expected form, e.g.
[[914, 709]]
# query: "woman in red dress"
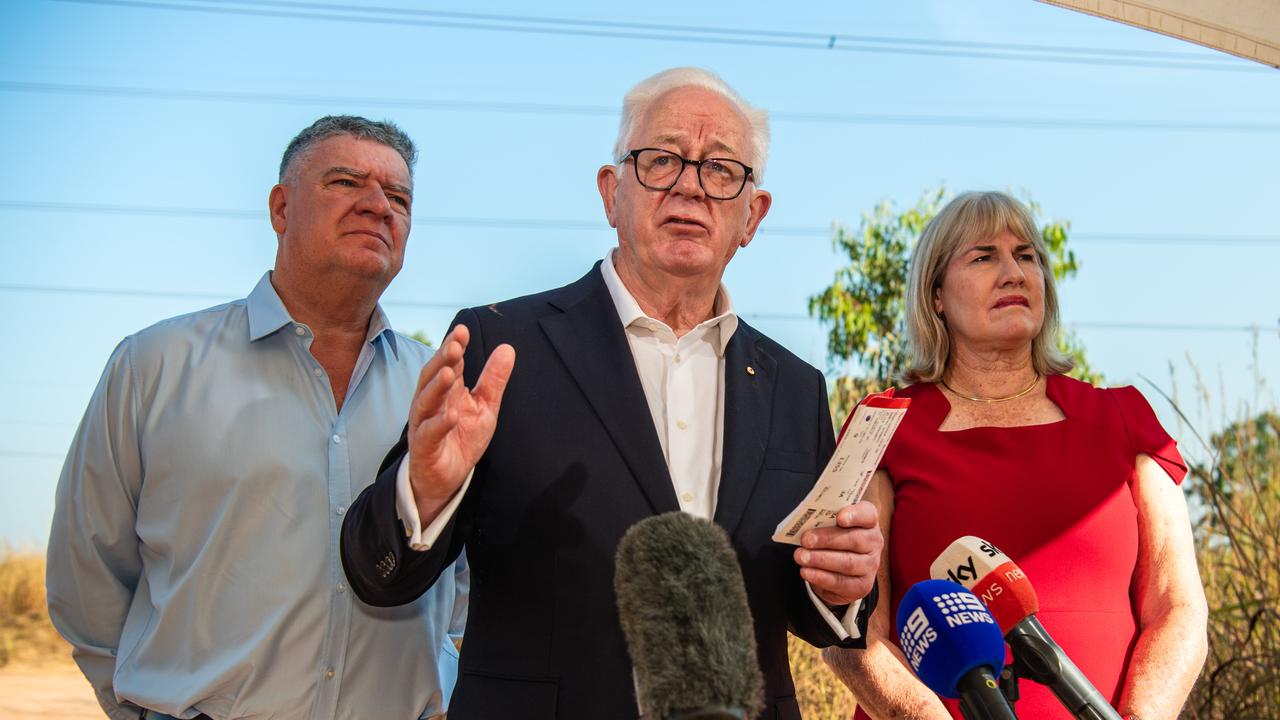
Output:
[[1078, 485]]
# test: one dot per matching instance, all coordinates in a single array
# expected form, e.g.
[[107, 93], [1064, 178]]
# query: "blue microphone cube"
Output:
[[945, 631]]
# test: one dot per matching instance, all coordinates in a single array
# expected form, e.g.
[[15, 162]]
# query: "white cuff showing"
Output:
[[420, 538], [846, 627]]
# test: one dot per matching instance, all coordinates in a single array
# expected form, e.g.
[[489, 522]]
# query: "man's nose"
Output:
[[374, 200], [687, 182]]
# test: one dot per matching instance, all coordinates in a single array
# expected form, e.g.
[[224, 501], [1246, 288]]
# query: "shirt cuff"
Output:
[[113, 708], [419, 538], [845, 626]]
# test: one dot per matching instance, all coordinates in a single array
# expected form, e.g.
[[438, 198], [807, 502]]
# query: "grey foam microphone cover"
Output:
[[684, 613]]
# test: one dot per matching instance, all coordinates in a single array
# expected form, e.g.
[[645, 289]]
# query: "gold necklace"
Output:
[[1006, 398]]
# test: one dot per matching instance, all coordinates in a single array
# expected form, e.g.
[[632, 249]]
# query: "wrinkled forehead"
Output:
[[351, 152], [694, 118]]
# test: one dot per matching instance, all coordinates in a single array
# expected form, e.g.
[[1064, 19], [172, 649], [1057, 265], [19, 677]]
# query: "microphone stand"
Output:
[[981, 698], [1009, 684], [1040, 659]]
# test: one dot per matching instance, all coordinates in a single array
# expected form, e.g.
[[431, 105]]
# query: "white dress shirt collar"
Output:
[[629, 311]]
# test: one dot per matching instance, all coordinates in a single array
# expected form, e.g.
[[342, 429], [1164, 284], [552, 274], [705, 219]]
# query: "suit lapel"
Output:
[[749, 376], [590, 341]]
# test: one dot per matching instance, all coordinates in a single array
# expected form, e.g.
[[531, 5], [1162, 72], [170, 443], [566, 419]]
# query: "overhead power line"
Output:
[[456, 304], [1178, 327], [551, 224], [507, 108], [189, 295], [276, 98], [38, 423], [1087, 324], [615, 29], [137, 210], [30, 454]]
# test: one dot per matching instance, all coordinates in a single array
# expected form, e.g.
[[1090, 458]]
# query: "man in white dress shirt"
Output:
[[636, 390]]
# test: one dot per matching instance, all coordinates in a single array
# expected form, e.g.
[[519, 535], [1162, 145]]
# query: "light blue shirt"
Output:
[[193, 561]]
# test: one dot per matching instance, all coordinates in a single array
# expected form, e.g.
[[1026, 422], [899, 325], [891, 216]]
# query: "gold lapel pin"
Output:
[[751, 370]]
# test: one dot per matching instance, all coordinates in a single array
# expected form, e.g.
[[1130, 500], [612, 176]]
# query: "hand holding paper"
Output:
[[840, 561], [863, 440]]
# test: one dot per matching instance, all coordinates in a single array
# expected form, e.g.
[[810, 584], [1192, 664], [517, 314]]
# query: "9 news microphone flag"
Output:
[[954, 646]]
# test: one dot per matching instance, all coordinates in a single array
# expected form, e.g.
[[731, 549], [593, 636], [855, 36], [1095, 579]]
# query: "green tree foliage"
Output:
[[864, 307], [422, 338]]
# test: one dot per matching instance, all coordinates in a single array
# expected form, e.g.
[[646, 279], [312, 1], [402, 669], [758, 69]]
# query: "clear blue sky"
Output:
[[142, 138]]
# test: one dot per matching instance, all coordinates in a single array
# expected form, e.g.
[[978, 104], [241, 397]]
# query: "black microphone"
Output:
[[1005, 589], [683, 608]]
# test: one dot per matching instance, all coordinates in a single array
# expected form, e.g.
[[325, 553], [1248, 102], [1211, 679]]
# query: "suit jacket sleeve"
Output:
[[380, 566], [803, 617]]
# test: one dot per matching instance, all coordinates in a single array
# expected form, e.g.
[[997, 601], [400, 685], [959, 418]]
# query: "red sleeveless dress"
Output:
[[1056, 498]]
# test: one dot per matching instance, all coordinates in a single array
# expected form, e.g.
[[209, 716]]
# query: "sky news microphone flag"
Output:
[[1007, 591]]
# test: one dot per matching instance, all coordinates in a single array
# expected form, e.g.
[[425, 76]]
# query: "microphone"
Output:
[[684, 613], [1008, 594], [954, 646]]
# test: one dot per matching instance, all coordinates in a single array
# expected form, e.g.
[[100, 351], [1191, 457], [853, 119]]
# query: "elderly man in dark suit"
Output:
[[638, 391]]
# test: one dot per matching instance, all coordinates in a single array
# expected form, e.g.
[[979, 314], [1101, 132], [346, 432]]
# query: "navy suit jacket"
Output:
[[575, 461]]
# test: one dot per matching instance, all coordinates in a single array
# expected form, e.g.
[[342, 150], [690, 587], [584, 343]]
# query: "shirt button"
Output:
[[299, 330], [339, 510], [682, 425], [337, 439], [317, 371], [329, 673], [687, 497], [677, 357], [342, 588]]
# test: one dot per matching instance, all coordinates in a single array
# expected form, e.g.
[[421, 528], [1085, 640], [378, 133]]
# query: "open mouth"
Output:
[[685, 222]]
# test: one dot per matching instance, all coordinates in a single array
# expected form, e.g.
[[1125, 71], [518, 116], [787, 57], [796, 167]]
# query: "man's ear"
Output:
[[761, 201], [277, 202], [607, 182]]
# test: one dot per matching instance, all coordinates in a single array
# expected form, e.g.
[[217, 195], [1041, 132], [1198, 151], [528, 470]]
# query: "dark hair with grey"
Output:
[[384, 132]]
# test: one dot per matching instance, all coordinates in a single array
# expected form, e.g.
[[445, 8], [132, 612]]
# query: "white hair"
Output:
[[640, 96]]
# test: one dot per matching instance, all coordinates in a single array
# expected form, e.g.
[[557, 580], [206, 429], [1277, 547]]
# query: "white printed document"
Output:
[[863, 440]]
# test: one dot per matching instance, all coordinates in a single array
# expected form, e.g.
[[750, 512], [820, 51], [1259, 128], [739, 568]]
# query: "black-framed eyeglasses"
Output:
[[720, 178]]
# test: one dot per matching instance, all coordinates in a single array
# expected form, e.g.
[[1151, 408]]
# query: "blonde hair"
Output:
[[643, 93], [971, 217]]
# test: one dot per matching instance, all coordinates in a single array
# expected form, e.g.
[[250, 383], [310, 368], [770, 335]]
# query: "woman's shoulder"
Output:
[[927, 408], [925, 399], [1109, 406], [1123, 410], [918, 391]]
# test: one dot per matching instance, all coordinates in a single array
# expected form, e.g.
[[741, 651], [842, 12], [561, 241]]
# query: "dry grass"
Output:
[[26, 635], [1239, 555], [821, 695]]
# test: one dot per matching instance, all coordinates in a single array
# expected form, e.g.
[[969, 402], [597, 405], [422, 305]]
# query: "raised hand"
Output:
[[449, 425], [840, 562]]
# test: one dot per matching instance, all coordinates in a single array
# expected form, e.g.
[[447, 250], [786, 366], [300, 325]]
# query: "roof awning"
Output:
[[1247, 28]]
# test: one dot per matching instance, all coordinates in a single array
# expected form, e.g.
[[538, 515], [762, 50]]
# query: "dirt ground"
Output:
[[46, 691]]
